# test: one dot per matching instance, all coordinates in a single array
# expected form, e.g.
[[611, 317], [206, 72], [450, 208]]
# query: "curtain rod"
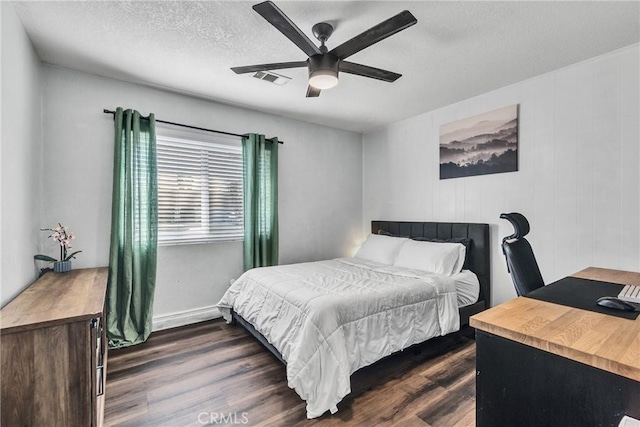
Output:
[[188, 126]]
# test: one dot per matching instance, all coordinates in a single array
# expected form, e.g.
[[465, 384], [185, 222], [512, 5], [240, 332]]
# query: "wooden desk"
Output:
[[562, 365]]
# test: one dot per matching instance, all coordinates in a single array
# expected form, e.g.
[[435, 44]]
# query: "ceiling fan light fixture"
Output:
[[323, 79], [323, 71]]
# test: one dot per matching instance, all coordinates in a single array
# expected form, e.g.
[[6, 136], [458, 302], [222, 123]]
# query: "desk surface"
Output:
[[607, 342]]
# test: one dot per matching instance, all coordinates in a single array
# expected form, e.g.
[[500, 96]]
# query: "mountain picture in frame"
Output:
[[480, 145]]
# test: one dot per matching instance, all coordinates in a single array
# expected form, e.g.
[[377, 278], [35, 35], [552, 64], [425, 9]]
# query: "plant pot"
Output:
[[62, 266]]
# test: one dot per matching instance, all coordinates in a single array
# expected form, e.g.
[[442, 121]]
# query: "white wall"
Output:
[[20, 158], [320, 182], [578, 181]]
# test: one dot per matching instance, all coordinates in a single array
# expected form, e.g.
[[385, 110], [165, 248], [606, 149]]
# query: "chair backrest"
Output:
[[521, 262]]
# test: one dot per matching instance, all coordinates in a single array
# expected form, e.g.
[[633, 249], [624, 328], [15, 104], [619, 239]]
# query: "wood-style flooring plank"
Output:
[[211, 373]]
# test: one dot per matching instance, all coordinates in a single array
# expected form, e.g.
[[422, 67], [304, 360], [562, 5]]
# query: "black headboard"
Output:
[[479, 261]]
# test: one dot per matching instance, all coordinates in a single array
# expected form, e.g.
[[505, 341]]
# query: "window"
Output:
[[199, 186]]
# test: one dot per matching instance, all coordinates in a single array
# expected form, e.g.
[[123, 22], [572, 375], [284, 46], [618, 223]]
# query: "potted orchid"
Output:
[[63, 237]]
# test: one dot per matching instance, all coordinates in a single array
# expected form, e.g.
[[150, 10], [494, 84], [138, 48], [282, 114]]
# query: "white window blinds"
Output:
[[199, 187]]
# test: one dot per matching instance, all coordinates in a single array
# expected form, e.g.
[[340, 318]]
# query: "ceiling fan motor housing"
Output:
[[323, 71]]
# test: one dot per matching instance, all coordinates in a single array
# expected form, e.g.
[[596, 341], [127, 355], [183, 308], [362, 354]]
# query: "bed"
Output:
[[325, 320]]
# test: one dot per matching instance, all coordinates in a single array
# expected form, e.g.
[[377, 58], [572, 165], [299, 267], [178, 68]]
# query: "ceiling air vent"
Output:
[[272, 77]]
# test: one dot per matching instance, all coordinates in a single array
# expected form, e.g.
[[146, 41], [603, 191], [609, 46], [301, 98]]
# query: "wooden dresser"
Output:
[[54, 351]]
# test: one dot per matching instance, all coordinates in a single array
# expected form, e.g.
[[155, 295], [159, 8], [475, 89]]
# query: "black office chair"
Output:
[[521, 262]]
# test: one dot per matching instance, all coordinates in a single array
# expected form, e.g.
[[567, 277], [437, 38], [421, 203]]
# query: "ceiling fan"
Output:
[[324, 64]]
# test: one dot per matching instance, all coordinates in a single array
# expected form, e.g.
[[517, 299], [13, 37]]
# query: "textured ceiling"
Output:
[[455, 51]]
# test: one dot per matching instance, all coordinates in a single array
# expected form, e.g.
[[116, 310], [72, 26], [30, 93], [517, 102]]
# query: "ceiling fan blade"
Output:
[[312, 92], [278, 19], [366, 71], [375, 34], [267, 67]]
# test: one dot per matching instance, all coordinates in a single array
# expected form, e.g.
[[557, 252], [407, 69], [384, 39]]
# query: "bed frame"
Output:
[[479, 262]]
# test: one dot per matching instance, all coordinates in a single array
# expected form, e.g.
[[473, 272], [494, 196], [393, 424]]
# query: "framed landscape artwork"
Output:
[[480, 145]]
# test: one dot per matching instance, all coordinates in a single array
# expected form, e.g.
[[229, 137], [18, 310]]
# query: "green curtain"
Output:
[[134, 230], [260, 159]]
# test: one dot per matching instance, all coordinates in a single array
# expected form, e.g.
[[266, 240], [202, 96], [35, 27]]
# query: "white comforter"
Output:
[[330, 318]]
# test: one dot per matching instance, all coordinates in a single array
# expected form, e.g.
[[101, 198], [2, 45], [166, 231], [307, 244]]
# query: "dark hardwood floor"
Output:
[[216, 374]]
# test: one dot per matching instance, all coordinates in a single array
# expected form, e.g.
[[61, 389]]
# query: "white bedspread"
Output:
[[330, 318]]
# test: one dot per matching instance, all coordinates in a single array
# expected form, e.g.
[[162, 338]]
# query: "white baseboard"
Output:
[[182, 318]]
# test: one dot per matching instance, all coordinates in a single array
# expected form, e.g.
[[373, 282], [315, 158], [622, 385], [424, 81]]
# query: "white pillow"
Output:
[[383, 249], [440, 258]]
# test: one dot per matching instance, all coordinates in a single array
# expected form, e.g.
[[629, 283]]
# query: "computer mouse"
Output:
[[616, 303]]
